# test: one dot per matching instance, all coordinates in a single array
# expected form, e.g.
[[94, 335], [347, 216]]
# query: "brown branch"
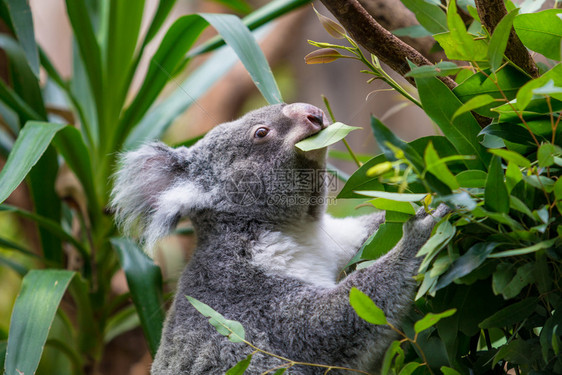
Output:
[[491, 12], [366, 31]]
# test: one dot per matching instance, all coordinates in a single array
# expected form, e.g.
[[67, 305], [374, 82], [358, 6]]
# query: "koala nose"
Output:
[[306, 114]]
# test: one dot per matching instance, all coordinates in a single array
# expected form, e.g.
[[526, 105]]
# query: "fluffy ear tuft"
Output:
[[152, 191]]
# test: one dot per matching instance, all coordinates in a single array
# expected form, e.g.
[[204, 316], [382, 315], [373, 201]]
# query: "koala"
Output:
[[268, 255]]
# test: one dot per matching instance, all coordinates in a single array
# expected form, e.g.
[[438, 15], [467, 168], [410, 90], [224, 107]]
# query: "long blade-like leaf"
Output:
[[145, 282], [32, 316], [30, 145], [20, 14]]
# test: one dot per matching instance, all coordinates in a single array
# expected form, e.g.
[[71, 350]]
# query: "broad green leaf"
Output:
[[390, 205], [525, 250], [541, 32], [20, 15], [23, 81], [386, 237], [546, 154], [496, 197], [525, 93], [270, 11], [440, 104], [431, 319], [467, 263], [393, 196], [145, 283], [33, 313], [510, 315], [229, 328], [473, 103], [438, 167], [365, 307], [549, 89], [383, 135], [509, 79], [498, 42], [512, 156], [414, 31], [465, 50], [32, 141], [512, 176], [89, 48], [409, 368], [121, 40], [239, 37], [240, 367], [518, 351], [523, 277], [510, 132], [326, 137], [472, 179], [443, 68], [430, 16], [281, 371]]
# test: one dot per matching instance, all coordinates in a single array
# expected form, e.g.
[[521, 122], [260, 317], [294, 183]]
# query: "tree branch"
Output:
[[366, 31], [491, 12]]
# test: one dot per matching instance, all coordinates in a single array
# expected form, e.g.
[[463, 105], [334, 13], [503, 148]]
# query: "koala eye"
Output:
[[261, 132]]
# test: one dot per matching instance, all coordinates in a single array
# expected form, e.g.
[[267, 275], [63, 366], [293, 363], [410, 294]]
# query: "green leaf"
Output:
[[229, 328], [472, 179], [393, 351], [414, 31], [32, 316], [438, 167], [430, 16], [23, 81], [498, 42], [525, 250], [393, 196], [123, 321], [239, 37], [465, 50], [145, 283], [449, 371], [89, 48], [512, 156], [390, 205], [467, 263], [525, 93], [365, 307], [431, 319], [440, 104], [443, 68], [541, 32], [509, 132], [546, 154], [31, 143], [518, 351], [328, 136], [240, 367], [71, 146], [20, 15], [409, 368], [385, 238], [496, 197], [510, 315], [473, 103], [121, 40], [383, 135], [523, 277]]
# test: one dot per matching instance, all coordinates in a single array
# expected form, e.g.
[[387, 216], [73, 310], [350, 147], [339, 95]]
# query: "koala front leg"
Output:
[[330, 319]]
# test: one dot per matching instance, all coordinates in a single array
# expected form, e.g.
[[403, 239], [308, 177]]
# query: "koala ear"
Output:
[[152, 190]]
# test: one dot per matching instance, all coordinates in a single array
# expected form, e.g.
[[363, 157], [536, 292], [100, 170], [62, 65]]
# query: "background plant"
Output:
[[496, 260], [99, 121]]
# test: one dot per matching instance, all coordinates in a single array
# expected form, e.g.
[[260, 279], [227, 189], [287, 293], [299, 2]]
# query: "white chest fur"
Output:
[[314, 252]]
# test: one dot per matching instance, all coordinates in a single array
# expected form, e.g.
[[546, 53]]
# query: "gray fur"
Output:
[[282, 310]]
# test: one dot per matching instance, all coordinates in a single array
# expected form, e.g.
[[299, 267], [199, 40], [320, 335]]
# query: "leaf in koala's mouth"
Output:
[[330, 135]]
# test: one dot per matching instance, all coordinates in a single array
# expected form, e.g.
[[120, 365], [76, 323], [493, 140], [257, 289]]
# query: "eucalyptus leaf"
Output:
[[431, 319], [510, 315], [328, 136], [366, 308], [430, 16], [229, 328], [496, 197], [499, 39], [541, 32]]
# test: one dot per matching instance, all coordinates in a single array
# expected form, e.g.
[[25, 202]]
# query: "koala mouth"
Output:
[[315, 124]]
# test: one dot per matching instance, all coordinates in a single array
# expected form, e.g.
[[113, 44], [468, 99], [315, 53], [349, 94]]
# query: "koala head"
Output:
[[244, 169]]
